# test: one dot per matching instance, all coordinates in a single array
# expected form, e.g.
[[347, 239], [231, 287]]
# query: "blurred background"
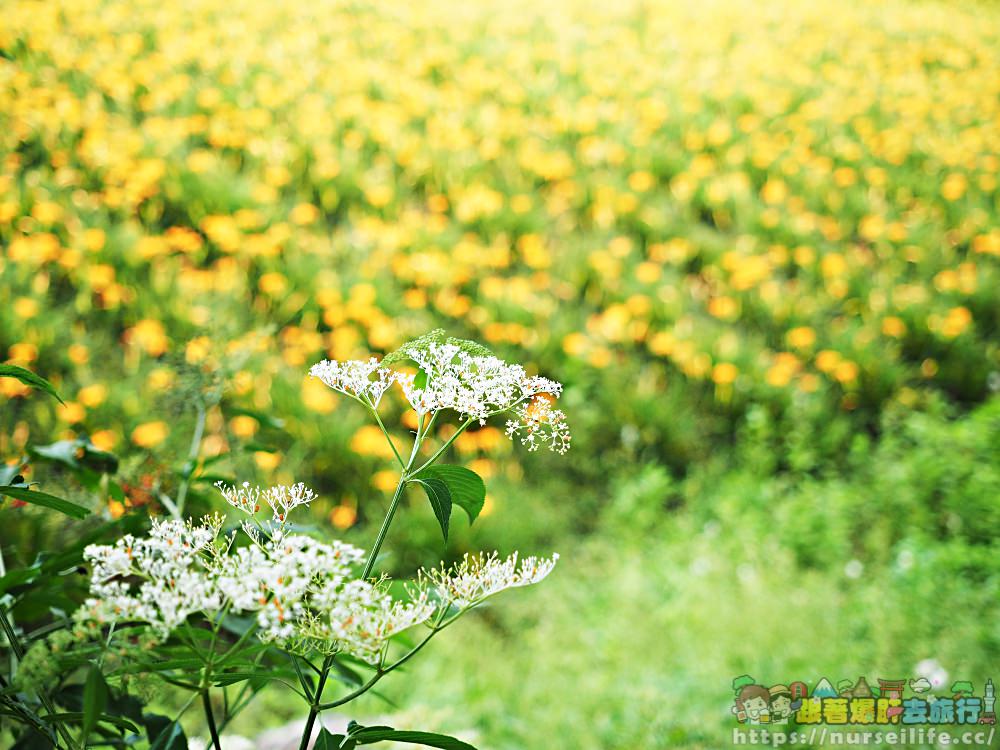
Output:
[[759, 244]]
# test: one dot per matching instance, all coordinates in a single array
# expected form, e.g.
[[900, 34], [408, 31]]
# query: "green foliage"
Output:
[[29, 378], [45, 500], [440, 499], [465, 488], [360, 735]]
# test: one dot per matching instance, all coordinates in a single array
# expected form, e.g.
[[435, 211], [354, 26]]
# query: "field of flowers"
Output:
[[765, 234]]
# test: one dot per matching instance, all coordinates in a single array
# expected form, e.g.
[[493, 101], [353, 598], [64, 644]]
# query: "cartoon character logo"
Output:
[[753, 701], [781, 704]]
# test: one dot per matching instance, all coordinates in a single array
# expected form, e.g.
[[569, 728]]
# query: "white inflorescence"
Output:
[[539, 424], [474, 385], [298, 588], [481, 576], [364, 616], [355, 378], [281, 499]]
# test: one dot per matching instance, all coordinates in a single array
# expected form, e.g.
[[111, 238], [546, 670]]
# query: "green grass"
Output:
[[633, 641]]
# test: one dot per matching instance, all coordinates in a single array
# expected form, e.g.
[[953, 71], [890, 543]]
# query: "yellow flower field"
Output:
[[774, 226]]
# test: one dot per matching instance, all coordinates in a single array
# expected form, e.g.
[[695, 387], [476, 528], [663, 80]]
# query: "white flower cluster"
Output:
[[299, 589], [354, 378], [171, 586], [365, 616], [280, 499], [481, 576], [474, 386], [462, 377], [538, 424], [304, 594]]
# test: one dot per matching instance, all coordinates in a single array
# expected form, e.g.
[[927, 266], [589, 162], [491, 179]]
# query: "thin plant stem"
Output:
[[383, 671], [193, 452], [443, 448], [388, 437], [206, 702], [314, 707]]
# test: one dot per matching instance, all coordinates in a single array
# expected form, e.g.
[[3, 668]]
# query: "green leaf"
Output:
[[78, 454], [29, 378], [77, 717], [437, 492], [164, 734], [371, 735], [46, 500], [328, 741], [468, 491], [95, 699]]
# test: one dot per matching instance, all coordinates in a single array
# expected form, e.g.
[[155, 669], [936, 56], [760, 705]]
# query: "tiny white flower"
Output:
[[478, 577], [363, 379]]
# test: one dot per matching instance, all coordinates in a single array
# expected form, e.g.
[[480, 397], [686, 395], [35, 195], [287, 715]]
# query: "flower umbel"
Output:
[[355, 378], [460, 376], [281, 499], [479, 577]]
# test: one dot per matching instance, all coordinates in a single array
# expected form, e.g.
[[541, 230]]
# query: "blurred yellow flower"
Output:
[[71, 412], [149, 335], [304, 213], [25, 307], [266, 460], [104, 440], [956, 322], [954, 186], [724, 373], [317, 397], [385, 480], [92, 395], [343, 516], [369, 441], [893, 326], [802, 337], [243, 426], [23, 352], [150, 434]]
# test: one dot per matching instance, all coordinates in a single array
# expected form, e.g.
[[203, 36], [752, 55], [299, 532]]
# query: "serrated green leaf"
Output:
[[30, 379], [46, 500], [440, 498], [466, 487]]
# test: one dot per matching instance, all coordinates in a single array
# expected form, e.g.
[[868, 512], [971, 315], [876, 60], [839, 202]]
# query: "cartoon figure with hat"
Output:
[[781, 704]]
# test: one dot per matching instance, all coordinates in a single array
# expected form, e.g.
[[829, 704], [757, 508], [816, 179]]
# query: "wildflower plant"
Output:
[[208, 605]]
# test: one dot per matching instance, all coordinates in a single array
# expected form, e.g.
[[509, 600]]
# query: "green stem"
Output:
[[314, 707], [443, 448], [206, 702], [383, 671], [397, 495], [193, 452], [388, 437]]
